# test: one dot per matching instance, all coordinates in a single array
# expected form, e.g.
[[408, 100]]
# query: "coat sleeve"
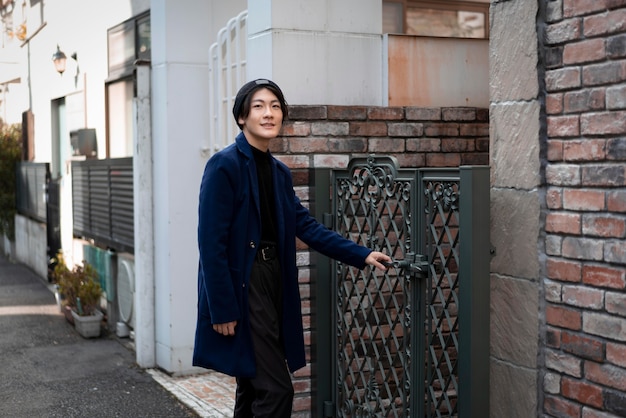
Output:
[[216, 214], [326, 241]]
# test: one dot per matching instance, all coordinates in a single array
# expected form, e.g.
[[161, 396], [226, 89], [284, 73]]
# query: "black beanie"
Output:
[[249, 88]]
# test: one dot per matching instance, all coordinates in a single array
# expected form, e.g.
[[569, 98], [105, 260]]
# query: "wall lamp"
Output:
[[60, 60]]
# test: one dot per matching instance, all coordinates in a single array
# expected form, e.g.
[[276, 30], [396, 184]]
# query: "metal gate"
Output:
[[401, 346]]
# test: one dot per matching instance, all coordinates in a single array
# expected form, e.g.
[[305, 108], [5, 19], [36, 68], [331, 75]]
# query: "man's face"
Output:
[[265, 118]]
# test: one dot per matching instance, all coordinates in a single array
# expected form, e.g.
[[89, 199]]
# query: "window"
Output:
[[128, 41], [444, 18]]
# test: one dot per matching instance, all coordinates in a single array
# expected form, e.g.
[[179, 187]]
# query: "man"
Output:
[[249, 313]]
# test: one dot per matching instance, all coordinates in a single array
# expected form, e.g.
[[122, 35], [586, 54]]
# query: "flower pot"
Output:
[[67, 312], [88, 326]]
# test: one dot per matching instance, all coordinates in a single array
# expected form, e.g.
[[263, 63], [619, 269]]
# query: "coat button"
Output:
[[252, 244]]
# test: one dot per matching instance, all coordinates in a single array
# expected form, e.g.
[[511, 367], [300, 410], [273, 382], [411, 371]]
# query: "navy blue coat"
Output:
[[229, 231]]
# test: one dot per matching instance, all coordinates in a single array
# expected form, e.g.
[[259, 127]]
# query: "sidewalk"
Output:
[[48, 370]]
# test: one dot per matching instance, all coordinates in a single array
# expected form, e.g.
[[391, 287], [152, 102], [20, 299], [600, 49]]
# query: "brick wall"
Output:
[[328, 136], [585, 225]]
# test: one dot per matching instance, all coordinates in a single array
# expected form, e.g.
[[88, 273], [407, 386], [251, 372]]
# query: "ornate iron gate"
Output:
[[396, 345]]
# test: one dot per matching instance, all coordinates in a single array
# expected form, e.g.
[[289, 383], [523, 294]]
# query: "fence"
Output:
[[31, 182], [102, 199]]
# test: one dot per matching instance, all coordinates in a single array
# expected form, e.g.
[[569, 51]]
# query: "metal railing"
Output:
[[227, 72]]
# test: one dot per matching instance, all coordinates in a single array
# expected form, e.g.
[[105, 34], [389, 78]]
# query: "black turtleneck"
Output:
[[266, 195]]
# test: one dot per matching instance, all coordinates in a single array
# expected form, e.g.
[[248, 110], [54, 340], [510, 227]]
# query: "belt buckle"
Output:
[[264, 256]]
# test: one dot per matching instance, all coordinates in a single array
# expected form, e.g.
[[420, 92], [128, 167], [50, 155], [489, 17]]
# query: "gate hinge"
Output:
[[329, 409], [327, 220]]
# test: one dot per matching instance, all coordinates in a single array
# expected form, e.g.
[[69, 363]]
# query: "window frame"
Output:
[[447, 5]]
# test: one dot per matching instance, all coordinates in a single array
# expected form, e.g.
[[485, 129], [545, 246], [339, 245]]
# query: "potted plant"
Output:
[[80, 294]]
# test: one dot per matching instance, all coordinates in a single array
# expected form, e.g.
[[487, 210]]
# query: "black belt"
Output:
[[266, 253]]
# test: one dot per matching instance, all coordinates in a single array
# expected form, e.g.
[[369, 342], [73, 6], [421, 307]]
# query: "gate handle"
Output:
[[415, 263]]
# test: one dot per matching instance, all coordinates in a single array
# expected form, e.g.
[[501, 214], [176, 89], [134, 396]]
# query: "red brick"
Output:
[[554, 103], [616, 353], [307, 112], [563, 126], [581, 7], [606, 374], [458, 114], [582, 392], [405, 129], [386, 145], [582, 248], [559, 407], [562, 222], [441, 129], [411, 160], [554, 198], [611, 72], [562, 79], [582, 346], [474, 129], [296, 129], [279, 145], [585, 150], [563, 174], [563, 317], [616, 200], [603, 175], [423, 113], [385, 113], [553, 337], [295, 161], [583, 199], [584, 100], [308, 145], [583, 297], [603, 276], [330, 128], [443, 160], [457, 145], [616, 148], [300, 177], [347, 112], [368, 128], [347, 144], [615, 251], [563, 31], [564, 270], [423, 144], [584, 51], [603, 123], [605, 23], [472, 158], [601, 225], [555, 150]]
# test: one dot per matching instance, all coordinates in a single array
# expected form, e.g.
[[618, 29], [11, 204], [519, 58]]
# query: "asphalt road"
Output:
[[48, 370]]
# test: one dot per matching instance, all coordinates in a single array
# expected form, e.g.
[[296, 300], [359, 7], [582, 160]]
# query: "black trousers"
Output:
[[270, 393]]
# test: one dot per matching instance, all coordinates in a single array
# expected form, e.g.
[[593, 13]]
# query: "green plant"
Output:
[[79, 287], [10, 154]]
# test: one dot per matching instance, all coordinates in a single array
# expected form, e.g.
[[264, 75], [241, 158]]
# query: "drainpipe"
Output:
[[145, 337]]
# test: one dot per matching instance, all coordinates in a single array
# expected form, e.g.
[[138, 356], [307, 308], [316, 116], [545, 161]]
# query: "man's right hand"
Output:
[[227, 328]]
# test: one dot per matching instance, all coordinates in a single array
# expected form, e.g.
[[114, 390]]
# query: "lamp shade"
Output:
[[59, 60]]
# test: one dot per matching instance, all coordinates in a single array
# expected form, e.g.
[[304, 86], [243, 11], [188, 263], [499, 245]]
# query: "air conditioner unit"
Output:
[[125, 294]]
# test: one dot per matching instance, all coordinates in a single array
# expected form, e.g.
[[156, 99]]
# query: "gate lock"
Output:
[[416, 264]]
